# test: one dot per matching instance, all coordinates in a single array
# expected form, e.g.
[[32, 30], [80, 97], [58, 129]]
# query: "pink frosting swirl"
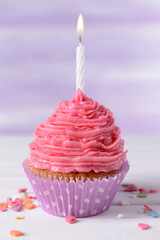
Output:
[[80, 136]]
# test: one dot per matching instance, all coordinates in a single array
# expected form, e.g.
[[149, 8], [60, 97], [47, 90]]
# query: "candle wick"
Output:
[[80, 40]]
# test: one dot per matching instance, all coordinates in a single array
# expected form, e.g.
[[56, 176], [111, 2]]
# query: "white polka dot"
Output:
[[107, 196], [33, 182], [104, 207], [118, 181], [60, 197], [47, 206], [70, 206], [80, 186], [52, 187], [67, 190], [97, 200], [75, 197], [86, 200], [94, 211], [40, 203], [40, 193], [91, 190], [46, 193], [54, 204], [101, 190], [81, 211], [63, 214]]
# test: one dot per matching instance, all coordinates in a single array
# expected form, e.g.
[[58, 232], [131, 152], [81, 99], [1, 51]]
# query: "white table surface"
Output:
[[144, 158]]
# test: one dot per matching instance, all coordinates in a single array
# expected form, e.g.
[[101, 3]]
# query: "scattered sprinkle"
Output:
[[154, 214], [131, 188], [3, 209], [153, 191], [120, 216], [124, 203], [17, 208], [22, 190], [28, 204], [21, 196], [143, 190], [15, 233], [19, 218], [70, 219], [143, 210], [132, 196], [31, 197], [142, 195], [148, 208], [3, 205], [143, 226]]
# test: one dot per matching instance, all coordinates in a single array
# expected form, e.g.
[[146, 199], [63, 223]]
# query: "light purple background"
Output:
[[37, 60]]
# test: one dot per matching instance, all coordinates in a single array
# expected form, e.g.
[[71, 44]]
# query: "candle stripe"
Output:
[[80, 68]]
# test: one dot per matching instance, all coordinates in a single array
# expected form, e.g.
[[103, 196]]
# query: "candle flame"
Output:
[[80, 25]]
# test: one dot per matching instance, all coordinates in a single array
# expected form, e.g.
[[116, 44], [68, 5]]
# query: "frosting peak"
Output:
[[80, 136]]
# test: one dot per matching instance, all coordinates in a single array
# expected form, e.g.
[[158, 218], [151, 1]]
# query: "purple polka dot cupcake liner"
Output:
[[79, 199]]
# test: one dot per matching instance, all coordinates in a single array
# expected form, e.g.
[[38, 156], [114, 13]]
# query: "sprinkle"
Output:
[[3, 209], [22, 190], [148, 208], [28, 204], [19, 218], [142, 195], [9, 201], [131, 188], [143, 190], [15, 233], [70, 219], [17, 208], [124, 203], [120, 216], [154, 214], [3, 205], [31, 197], [143, 210], [124, 185], [143, 226], [21, 196], [153, 191]]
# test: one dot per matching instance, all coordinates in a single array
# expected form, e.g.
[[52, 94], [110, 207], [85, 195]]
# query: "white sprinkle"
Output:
[[143, 210], [21, 196], [120, 215], [124, 203]]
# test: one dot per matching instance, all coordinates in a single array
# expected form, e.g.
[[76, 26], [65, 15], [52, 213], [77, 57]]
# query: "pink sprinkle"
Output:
[[70, 219], [17, 208], [18, 201], [22, 190], [3, 209], [143, 226], [31, 197], [148, 208], [143, 190], [9, 201], [131, 188], [153, 191]]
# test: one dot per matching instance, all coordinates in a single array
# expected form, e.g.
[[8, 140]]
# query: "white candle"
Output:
[[80, 52]]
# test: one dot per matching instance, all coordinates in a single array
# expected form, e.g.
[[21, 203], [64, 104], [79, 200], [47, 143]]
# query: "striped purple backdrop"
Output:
[[37, 60]]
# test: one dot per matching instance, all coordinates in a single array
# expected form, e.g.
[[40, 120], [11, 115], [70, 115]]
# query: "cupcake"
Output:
[[77, 159]]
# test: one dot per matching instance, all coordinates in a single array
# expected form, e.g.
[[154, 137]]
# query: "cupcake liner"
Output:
[[79, 199]]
